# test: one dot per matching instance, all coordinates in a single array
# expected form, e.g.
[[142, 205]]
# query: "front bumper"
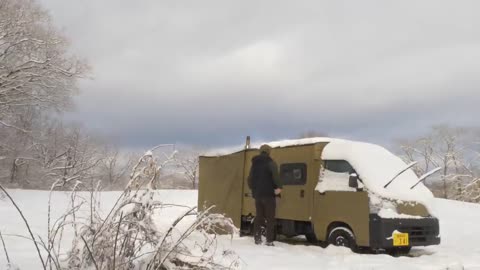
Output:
[[421, 232]]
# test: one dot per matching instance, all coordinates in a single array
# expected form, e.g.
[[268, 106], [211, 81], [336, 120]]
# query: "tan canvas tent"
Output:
[[221, 184]]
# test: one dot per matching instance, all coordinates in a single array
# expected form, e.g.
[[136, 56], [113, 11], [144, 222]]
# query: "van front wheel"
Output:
[[343, 237]]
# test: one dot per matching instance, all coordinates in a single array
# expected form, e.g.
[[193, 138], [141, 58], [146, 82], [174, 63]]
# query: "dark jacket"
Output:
[[263, 178]]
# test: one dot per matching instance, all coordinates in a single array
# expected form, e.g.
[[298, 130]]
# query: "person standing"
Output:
[[264, 181]]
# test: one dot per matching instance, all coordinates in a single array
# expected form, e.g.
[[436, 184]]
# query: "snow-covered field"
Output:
[[460, 231]]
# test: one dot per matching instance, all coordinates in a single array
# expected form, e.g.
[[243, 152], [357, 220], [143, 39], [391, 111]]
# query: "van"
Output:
[[340, 192]]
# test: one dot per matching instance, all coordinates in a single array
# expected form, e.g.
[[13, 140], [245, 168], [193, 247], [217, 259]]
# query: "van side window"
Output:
[[338, 166], [293, 173]]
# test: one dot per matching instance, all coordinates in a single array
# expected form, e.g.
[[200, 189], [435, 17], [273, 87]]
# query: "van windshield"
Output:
[[376, 166]]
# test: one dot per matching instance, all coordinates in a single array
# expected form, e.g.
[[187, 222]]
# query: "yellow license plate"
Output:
[[400, 239]]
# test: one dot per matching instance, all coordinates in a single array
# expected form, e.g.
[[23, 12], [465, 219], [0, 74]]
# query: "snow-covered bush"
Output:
[[128, 238]]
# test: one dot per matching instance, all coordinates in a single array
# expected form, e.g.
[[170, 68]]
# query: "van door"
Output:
[[293, 203], [299, 174], [337, 203]]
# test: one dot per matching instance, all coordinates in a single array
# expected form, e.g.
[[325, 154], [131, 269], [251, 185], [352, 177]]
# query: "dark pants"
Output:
[[265, 208]]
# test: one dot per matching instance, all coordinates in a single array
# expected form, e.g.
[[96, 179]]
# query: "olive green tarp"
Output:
[[221, 184]]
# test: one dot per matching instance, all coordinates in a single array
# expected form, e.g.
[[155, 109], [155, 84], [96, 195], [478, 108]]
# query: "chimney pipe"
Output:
[[247, 143]]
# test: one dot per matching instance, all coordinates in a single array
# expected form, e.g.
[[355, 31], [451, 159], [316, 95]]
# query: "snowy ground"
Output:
[[460, 231]]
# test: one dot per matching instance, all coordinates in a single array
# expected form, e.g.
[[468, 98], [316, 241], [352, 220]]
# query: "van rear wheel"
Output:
[[342, 237]]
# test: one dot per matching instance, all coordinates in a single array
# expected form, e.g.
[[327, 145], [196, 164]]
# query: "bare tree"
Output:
[[188, 166], [451, 149], [114, 167], [37, 79], [35, 68]]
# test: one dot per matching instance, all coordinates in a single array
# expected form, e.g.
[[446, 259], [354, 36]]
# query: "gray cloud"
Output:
[[213, 72]]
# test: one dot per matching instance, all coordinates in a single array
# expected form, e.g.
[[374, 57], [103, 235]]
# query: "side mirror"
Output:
[[353, 180]]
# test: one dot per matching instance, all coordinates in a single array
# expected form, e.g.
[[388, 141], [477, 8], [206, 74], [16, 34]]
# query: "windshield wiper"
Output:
[[423, 177], [400, 173]]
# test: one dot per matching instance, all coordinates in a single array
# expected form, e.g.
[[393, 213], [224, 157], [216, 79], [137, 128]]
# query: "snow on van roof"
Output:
[[286, 143], [376, 166], [273, 144]]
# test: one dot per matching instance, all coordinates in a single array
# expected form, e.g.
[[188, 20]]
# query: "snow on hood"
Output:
[[376, 166]]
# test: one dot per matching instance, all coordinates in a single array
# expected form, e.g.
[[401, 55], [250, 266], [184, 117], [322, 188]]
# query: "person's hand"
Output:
[[278, 191]]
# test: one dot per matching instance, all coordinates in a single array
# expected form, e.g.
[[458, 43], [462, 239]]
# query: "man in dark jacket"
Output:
[[265, 184]]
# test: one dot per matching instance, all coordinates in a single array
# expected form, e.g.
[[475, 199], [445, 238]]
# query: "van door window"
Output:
[[293, 173]]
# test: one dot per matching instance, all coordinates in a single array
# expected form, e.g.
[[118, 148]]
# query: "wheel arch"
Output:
[[338, 224]]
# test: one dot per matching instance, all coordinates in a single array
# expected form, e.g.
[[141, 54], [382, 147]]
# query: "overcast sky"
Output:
[[212, 72]]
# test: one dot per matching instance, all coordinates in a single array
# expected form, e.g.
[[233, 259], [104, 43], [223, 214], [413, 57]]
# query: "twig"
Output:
[[116, 238], [41, 242], [162, 145], [114, 207], [14, 127], [90, 253], [50, 255], [5, 248], [50, 241], [26, 224]]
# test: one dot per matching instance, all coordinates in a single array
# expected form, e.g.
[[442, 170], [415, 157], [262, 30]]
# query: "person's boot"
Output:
[[270, 244], [258, 241]]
